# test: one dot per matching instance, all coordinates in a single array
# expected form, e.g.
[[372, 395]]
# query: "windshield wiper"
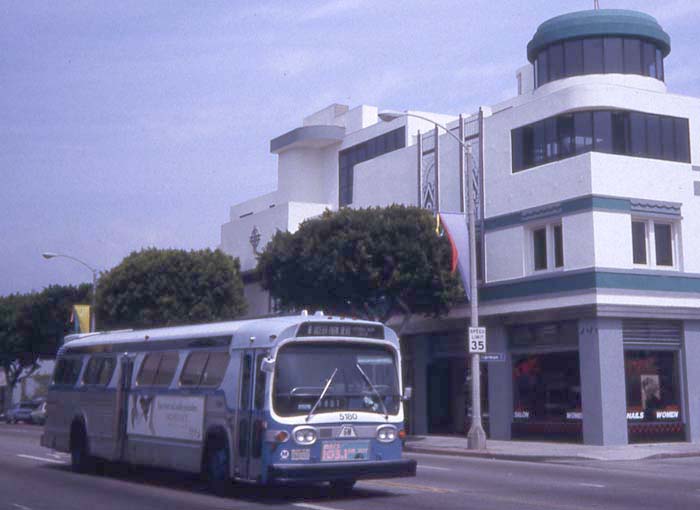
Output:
[[323, 394], [381, 400]]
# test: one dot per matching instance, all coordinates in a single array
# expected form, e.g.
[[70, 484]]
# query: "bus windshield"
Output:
[[302, 371]]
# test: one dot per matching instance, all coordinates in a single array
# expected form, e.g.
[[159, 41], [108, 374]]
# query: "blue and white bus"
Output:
[[304, 398]]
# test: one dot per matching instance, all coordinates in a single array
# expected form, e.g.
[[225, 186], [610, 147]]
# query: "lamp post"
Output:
[[476, 437], [93, 313]]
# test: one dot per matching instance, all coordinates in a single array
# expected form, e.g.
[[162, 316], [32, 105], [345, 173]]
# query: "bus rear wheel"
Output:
[[342, 487], [80, 459], [216, 466]]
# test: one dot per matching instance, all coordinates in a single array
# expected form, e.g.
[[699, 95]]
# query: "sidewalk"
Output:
[[543, 451]]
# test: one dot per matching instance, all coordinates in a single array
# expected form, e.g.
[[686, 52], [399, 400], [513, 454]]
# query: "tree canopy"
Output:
[[33, 325], [156, 287], [368, 262]]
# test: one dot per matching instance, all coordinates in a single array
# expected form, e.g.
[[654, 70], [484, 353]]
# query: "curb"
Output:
[[495, 456], [538, 458]]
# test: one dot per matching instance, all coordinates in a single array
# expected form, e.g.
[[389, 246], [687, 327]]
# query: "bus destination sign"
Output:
[[334, 329]]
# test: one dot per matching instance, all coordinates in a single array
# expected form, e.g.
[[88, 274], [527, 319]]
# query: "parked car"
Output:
[[39, 414], [20, 412]]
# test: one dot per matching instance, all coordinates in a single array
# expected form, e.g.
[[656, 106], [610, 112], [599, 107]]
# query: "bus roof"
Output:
[[252, 333]]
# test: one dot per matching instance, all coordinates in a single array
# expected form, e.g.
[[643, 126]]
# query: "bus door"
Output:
[[126, 368], [251, 417]]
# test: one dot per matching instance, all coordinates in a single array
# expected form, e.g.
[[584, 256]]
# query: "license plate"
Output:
[[339, 451]]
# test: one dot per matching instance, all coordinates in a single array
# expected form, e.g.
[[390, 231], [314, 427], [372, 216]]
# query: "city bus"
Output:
[[304, 398]]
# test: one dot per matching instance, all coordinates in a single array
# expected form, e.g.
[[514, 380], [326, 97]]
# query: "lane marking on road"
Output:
[[423, 466], [410, 486], [313, 507], [21, 507], [43, 459], [595, 485]]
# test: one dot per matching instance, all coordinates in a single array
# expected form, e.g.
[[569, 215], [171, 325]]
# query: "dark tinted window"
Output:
[[649, 60], [639, 242], [573, 57], [558, 247], [602, 129], [682, 140], [638, 134], [667, 146], [613, 55], [654, 136], [539, 146], [556, 62], [593, 55], [633, 56], [565, 124], [583, 128], [664, 244], [539, 238], [92, 371], [617, 132], [542, 68]]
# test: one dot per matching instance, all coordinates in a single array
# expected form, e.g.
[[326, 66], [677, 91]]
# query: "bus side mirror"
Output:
[[407, 393], [267, 365]]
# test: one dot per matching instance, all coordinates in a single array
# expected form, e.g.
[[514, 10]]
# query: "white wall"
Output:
[[387, 179], [505, 249]]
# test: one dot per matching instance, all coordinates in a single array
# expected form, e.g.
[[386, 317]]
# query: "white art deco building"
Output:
[[589, 235]]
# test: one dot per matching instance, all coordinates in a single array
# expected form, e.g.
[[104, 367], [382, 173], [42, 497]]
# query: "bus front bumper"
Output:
[[331, 471]]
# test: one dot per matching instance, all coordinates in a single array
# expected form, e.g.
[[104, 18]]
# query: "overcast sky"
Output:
[[134, 124]]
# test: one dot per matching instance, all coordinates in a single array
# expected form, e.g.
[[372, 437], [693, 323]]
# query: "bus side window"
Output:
[[107, 369], [92, 371], [215, 369], [193, 369], [166, 369], [67, 371], [149, 367]]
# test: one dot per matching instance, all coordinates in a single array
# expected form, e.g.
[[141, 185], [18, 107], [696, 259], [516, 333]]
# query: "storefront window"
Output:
[[653, 390], [547, 387]]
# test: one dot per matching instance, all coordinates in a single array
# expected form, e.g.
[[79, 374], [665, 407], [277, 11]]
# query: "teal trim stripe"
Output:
[[586, 203], [589, 280]]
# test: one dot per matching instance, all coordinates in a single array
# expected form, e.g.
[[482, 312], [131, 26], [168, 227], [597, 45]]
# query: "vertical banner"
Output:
[[80, 318], [455, 226]]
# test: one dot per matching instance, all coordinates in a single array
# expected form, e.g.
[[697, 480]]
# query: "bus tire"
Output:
[[342, 487], [80, 459], [216, 464]]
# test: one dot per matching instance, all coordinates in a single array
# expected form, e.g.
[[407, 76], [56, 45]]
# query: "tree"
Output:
[[33, 325], [166, 287], [369, 262]]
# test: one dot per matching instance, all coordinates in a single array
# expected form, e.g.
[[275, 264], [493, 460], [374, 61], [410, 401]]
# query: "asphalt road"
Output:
[[34, 478]]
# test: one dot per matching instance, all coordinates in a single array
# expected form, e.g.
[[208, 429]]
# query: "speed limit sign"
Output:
[[477, 340]]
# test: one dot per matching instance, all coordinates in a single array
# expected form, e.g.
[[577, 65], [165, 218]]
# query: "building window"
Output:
[[610, 131], [653, 243], [370, 149], [547, 247], [653, 389], [598, 55]]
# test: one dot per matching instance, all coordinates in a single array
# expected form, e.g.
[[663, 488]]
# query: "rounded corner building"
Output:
[[588, 209]]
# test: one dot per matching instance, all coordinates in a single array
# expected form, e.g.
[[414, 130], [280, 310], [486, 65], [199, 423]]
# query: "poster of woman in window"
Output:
[[651, 395]]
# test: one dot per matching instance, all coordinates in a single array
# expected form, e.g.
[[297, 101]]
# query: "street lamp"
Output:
[[93, 313], [476, 437]]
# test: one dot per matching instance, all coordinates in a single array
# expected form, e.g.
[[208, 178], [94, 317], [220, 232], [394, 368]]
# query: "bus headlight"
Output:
[[304, 435], [386, 433]]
